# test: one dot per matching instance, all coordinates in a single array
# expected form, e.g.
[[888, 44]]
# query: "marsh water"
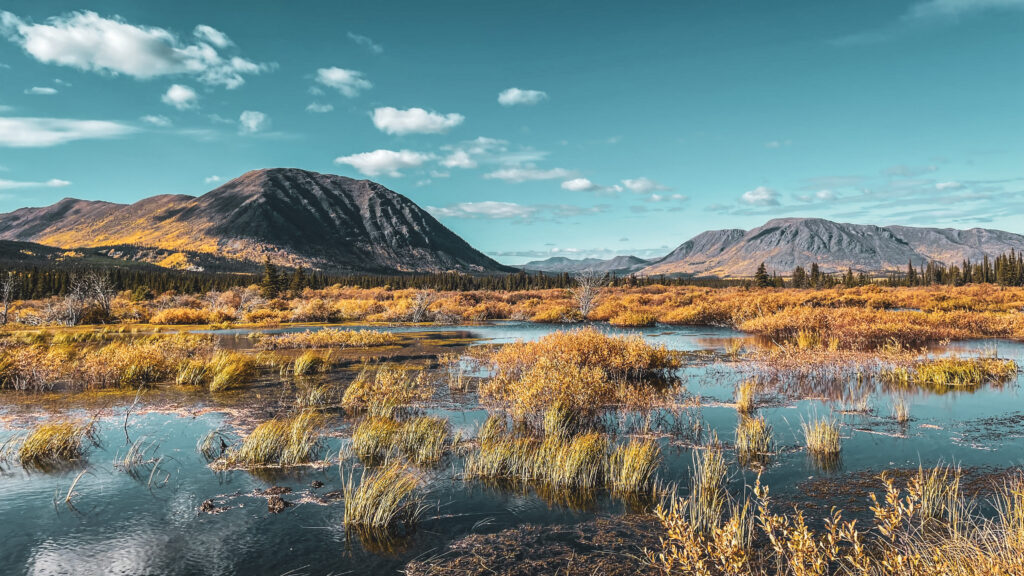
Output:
[[148, 520]]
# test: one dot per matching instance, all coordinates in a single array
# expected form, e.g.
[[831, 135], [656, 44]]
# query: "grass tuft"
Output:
[[53, 443], [383, 501], [632, 466], [279, 442]]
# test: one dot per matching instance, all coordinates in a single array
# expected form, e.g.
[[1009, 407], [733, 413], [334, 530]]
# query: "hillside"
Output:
[[785, 243], [294, 217], [561, 264]]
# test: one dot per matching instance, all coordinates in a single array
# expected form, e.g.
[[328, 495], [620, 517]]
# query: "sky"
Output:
[[533, 128]]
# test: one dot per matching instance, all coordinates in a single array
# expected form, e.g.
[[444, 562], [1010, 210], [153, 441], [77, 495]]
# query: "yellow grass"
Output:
[[383, 501], [279, 442], [386, 390], [52, 443]]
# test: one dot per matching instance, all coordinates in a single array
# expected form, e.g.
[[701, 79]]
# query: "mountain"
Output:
[[784, 243], [294, 217], [560, 264]]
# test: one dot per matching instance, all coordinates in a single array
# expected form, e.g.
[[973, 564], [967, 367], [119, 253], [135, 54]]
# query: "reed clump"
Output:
[[634, 319], [289, 441], [386, 390], [754, 443], [746, 394], [228, 370], [632, 467], [53, 443], [583, 369], [958, 372], [822, 436], [927, 529], [422, 440], [383, 503], [326, 338], [312, 362]]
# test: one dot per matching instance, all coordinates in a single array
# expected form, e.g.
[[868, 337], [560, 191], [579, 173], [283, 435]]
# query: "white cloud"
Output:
[[251, 122], [948, 186], [776, 144], [156, 120], [212, 35], [87, 41], [667, 198], [349, 82], [14, 185], [389, 162], [952, 8], [180, 96], [517, 96], [585, 185], [319, 108], [578, 185], [366, 42], [39, 132], [459, 159], [524, 174], [212, 179], [643, 185], [485, 209], [761, 196], [414, 121], [41, 90], [825, 195]]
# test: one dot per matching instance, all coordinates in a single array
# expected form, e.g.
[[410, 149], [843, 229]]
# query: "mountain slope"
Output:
[[294, 217], [784, 243], [560, 264]]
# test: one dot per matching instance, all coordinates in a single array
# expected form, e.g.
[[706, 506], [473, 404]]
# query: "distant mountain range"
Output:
[[340, 225], [294, 217], [785, 243], [559, 264]]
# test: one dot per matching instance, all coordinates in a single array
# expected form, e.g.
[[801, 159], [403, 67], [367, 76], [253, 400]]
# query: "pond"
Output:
[[149, 520]]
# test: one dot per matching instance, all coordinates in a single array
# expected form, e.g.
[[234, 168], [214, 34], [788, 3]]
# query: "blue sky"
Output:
[[533, 128]]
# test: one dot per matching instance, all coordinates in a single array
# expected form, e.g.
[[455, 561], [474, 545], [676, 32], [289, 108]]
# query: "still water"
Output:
[[150, 522]]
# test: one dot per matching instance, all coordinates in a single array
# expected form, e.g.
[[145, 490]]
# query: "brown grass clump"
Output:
[[754, 443], [632, 467], [928, 529], [183, 316], [386, 390], [383, 502], [583, 370], [745, 397], [422, 440], [228, 370], [632, 318], [53, 443], [955, 372], [326, 338], [278, 442]]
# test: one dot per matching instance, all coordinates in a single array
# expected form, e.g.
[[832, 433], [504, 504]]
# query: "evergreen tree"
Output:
[[761, 277], [271, 283]]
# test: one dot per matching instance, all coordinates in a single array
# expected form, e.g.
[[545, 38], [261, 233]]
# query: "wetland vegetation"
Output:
[[404, 428]]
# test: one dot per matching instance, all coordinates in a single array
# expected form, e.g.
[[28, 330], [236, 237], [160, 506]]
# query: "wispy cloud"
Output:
[[87, 41], [15, 185], [350, 83], [586, 185], [41, 91], [319, 108], [157, 120], [414, 121], [525, 174], [366, 42], [760, 196], [643, 185], [928, 13], [512, 211], [42, 132], [483, 150]]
